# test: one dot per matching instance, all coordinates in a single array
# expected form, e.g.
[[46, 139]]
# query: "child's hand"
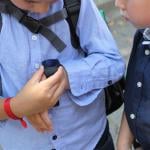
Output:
[[39, 95], [41, 122], [63, 85]]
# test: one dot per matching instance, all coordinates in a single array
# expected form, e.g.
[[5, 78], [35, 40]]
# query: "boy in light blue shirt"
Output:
[[79, 122]]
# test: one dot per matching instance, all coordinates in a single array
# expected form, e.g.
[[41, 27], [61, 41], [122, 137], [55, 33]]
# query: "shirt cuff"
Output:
[[81, 80], [88, 98]]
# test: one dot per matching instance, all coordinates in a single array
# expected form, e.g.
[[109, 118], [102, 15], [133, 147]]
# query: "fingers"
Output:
[[38, 123], [52, 91], [37, 76], [54, 79], [57, 93], [46, 119], [43, 77]]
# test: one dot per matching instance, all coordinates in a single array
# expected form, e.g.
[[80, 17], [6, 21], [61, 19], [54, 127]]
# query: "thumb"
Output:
[[37, 76]]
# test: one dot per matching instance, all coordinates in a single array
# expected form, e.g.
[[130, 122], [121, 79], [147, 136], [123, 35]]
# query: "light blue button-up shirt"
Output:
[[80, 119]]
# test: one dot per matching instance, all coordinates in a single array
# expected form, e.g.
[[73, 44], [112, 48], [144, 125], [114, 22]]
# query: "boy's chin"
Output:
[[39, 10], [140, 26], [137, 24]]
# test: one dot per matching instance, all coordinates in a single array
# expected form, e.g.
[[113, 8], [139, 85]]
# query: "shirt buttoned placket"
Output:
[[139, 83], [35, 51], [36, 58], [55, 141], [138, 89]]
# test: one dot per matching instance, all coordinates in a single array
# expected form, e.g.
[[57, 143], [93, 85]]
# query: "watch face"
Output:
[[50, 66], [51, 63]]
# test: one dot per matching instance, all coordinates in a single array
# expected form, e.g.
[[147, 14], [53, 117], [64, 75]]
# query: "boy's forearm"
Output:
[[125, 137], [3, 114]]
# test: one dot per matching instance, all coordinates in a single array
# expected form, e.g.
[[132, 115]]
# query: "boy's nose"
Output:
[[120, 4]]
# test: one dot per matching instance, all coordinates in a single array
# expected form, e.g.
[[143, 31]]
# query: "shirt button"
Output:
[[37, 66], [132, 116], [34, 37], [137, 140], [54, 137], [139, 84], [147, 52]]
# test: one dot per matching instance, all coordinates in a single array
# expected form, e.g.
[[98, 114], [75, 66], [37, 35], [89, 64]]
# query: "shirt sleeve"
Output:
[[102, 65]]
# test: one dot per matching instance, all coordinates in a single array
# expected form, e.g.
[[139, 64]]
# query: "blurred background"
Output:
[[123, 33]]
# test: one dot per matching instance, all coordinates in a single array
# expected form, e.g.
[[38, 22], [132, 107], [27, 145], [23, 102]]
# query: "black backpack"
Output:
[[114, 92]]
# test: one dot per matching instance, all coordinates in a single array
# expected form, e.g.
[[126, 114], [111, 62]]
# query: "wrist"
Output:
[[10, 113], [15, 107]]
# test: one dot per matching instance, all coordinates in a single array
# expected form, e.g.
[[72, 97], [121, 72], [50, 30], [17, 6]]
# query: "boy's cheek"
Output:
[[22, 4], [140, 21], [140, 18], [34, 7]]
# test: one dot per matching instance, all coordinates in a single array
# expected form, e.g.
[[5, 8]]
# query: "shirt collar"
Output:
[[146, 34]]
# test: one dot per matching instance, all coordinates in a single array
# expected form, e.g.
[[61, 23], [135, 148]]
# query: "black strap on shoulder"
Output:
[[73, 10], [1, 3], [56, 17], [36, 26]]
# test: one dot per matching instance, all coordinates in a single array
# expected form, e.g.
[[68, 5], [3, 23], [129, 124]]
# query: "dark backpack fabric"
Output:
[[73, 10], [114, 92]]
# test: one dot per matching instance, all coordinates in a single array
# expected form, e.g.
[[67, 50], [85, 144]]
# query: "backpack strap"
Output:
[[73, 10], [56, 17], [72, 7], [35, 26]]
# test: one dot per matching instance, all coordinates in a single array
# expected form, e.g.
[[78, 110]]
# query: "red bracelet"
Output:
[[10, 114]]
